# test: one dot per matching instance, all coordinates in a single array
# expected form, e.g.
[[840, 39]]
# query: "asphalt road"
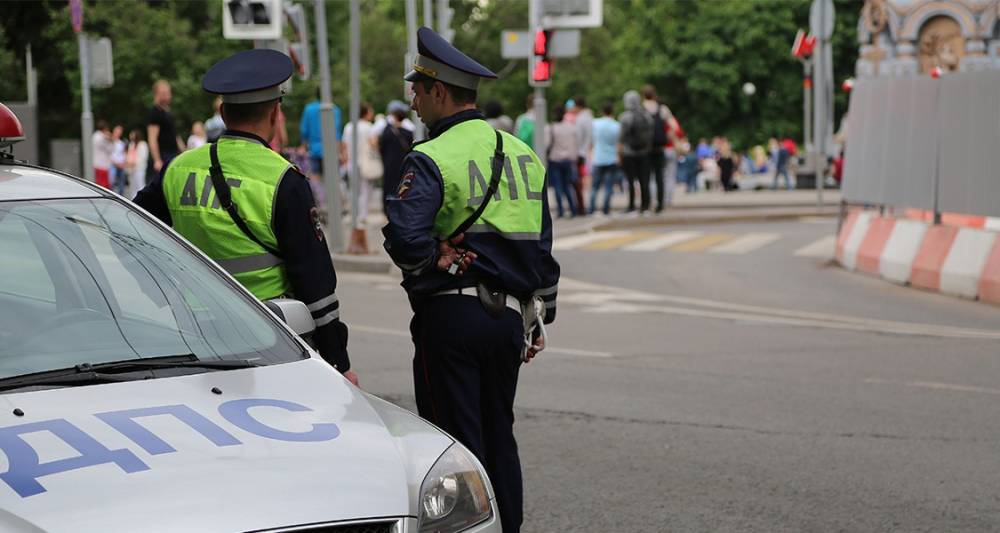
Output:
[[721, 382]]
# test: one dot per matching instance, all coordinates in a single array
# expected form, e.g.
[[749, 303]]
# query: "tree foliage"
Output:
[[696, 54]]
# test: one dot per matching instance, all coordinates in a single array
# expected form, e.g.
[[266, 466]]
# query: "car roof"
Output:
[[20, 181]]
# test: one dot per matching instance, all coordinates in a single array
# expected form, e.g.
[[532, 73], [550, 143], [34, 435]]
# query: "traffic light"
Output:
[[252, 19], [541, 65], [298, 47]]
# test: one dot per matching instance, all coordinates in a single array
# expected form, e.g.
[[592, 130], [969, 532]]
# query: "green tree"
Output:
[[696, 54]]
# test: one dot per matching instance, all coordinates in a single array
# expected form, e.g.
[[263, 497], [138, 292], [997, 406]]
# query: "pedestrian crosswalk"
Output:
[[690, 241]]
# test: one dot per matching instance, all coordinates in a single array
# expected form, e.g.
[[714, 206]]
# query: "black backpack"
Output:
[[659, 129], [635, 131]]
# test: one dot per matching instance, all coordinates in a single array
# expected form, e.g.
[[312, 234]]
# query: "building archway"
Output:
[[940, 44]]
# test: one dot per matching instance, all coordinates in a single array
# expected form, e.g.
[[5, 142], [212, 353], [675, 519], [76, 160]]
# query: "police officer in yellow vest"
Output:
[[247, 207], [469, 226]]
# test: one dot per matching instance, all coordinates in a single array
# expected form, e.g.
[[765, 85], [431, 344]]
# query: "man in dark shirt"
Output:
[[164, 142], [393, 145]]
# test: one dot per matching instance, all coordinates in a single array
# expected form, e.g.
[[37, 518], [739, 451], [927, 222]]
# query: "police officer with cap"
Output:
[[469, 226], [247, 207]]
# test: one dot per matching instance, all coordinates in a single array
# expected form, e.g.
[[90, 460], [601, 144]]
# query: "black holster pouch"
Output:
[[493, 301]]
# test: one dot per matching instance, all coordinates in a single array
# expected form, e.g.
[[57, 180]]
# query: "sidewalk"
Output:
[[699, 208]]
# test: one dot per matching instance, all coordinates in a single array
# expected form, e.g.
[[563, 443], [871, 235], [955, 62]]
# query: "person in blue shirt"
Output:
[[607, 173], [310, 129]]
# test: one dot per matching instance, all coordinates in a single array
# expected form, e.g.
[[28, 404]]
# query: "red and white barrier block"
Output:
[[963, 261]]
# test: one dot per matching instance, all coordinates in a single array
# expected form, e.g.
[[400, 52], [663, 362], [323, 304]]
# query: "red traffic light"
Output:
[[542, 42], [804, 45], [543, 70]]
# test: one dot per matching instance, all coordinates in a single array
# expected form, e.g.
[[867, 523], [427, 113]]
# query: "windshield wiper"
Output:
[[109, 372], [165, 361]]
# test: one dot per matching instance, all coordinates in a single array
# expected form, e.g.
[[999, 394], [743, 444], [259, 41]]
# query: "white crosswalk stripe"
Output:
[[576, 241], [662, 241], [690, 241], [822, 248], [746, 243]]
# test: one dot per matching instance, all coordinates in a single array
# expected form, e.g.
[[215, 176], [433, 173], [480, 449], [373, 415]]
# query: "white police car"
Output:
[[143, 389]]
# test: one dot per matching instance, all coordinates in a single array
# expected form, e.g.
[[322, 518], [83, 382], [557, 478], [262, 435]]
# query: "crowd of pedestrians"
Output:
[[634, 153], [641, 153]]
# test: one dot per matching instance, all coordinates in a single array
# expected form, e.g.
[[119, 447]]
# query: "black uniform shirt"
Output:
[[521, 268], [306, 257]]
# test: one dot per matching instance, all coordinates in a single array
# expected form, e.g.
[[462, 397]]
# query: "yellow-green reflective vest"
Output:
[[462, 154], [253, 172]]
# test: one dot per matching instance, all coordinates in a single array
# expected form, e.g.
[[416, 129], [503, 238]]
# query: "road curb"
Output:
[[368, 264]]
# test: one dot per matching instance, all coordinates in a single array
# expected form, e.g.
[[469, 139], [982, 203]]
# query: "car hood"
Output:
[[236, 450]]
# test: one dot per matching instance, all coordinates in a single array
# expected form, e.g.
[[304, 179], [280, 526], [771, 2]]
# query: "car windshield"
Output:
[[87, 281]]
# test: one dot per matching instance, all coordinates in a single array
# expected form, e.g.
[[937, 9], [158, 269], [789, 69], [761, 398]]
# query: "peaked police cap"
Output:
[[438, 59], [249, 77]]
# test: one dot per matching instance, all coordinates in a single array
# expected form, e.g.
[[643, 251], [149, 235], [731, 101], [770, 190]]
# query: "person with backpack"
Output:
[[635, 147], [661, 126]]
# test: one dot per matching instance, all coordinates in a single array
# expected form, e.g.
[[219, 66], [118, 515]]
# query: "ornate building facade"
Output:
[[906, 37]]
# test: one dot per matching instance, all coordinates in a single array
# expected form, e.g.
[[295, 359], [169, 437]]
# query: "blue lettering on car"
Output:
[[24, 467]]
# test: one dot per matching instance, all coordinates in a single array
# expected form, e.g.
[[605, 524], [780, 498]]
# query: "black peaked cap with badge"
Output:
[[249, 77], [438, 59]]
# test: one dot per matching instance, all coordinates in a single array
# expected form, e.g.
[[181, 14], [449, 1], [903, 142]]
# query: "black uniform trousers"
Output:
[[465, 376]]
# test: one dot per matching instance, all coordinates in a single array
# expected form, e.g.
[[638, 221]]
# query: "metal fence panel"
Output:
[[890, 156], [926, 143], [970, 127], [913, 143], [853, 187]]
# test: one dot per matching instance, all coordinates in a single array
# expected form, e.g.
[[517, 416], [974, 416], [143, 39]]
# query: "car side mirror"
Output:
[[294, 313]]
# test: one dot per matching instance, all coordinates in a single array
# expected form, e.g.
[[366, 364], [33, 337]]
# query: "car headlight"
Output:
[[454, 495]]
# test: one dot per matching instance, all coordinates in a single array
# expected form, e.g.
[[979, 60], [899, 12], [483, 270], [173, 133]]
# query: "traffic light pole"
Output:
[[539, 104], [540, 125], [328, 127]]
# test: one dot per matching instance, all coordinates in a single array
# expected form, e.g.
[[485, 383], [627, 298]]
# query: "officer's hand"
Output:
[[451, 254], [157, 165], [538, 346], [352, 377]]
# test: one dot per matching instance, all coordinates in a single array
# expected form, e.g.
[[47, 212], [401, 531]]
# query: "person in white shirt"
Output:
[[380, 122], [136, 159], [197, 137], [102, 148], [119, 174], [369, 160], [585, 127]]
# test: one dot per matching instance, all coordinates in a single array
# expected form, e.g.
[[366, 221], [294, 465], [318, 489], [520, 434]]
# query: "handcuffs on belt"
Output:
[[535, 309], [532, 316]]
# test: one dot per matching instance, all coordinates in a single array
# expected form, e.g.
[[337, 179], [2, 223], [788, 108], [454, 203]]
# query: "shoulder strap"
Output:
[[224, 193], [496, 167]]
